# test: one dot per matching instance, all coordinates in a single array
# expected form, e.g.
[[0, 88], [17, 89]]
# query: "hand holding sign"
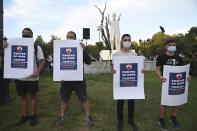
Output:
[[82, 45], [163, 79], [18, 58]]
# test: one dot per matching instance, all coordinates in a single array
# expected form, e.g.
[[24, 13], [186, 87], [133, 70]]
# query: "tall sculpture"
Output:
[[104, 31], [115, 32]]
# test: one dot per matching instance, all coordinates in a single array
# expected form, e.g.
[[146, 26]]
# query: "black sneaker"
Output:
[[22, 120], [174, 121], [162, 124], [120, 126], [33, 120], [59, 121], [89, 121], [133, 125]]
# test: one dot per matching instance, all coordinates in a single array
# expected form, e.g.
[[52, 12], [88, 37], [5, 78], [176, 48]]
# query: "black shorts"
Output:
[[79, 87], [26, 87]]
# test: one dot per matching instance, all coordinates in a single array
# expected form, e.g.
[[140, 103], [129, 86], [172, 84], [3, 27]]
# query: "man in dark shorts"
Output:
[[29, 85], [79, 87], [169, 57]]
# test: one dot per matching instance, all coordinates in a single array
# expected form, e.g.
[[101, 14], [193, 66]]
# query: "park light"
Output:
[[162, 29]]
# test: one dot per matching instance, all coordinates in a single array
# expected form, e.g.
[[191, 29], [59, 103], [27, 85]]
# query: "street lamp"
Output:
[[142, 44], [162, 31], [149, 45]]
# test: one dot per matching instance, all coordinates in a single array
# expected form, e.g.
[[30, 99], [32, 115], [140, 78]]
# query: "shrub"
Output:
[[193, 66]]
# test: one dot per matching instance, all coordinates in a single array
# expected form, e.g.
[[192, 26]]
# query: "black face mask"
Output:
[[27, 36]]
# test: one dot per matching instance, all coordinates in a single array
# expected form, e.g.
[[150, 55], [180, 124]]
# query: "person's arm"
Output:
[[86, 57], [113, 70], [41, 62], [39, 68], [5, 45]]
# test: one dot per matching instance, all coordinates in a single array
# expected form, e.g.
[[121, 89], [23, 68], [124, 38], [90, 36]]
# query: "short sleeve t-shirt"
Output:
[[164, 59], [121, 53], [40, 56]]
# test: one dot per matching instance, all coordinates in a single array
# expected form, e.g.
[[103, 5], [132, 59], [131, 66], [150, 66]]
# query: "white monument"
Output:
[[115, 32]]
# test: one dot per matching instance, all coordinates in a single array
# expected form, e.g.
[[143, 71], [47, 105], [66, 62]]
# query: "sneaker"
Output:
[[59, 121], [33, 120], [89, 121], [22, 120], [162, 124], [120, 126], [174, 121], [133, 125]]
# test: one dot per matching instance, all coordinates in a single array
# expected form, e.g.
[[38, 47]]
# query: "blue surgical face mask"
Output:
[[127, 44], [171, 48]]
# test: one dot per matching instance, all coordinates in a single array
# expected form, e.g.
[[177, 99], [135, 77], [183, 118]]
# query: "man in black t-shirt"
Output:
[[168, 58], [79, 87]]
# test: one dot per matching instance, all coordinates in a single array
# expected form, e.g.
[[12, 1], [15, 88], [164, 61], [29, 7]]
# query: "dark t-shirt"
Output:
[[164, 59]]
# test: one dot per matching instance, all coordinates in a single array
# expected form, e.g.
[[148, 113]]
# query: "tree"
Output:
[[49, 45], [192, 33], [157, 42], [158, 38], [186, 44], [135, 46], [93, 51], [39, 40], [191, 37], [100, 46]]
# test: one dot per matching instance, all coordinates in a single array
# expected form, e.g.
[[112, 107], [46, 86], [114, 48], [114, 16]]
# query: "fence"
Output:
[[105, 67]]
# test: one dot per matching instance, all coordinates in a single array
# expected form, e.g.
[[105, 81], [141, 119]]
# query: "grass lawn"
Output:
[[102, 105]]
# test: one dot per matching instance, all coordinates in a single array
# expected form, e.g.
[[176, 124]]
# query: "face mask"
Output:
[[127, 45], [172, 48]]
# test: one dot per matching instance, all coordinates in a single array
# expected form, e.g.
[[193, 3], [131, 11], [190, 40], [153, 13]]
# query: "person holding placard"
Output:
[[29, 86], [168, 58], [4, 89], [79, 87], [125, 51]]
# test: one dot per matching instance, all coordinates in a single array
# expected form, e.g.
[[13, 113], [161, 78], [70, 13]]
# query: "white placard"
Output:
[[68, 60], [128, 81], [18, 58], [175, 89]]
